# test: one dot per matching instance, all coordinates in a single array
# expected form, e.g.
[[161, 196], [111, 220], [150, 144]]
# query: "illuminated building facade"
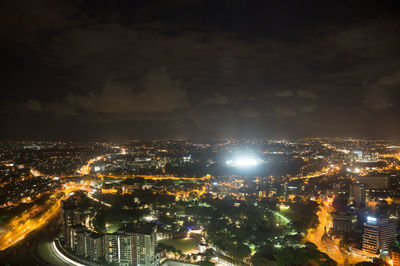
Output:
[[387, 235], [379, 235], [93, 248], [118, 248], [371, 236], [145, 248], [74, 236], [85, 243], [132, 246], [69, 216]]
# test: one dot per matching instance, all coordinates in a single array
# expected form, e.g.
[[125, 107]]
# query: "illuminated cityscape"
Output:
[[227, 202], [200, 132]]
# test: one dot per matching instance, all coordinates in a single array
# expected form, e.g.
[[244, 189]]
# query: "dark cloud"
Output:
[[309, 108], [160, 94], [284, 111], [381, 94], [284, 93], [306, 94], [199, 68], [217, 98], [33, 105], [248, 112]]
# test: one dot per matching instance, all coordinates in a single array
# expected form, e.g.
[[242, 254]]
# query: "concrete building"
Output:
[[341, 223], [371, 236], [387, 235], [128, 246], [379, 235], [69, 215], [358, 194], [132, 246], [94, 246], [145, 248], [118, 248], [84, 242]]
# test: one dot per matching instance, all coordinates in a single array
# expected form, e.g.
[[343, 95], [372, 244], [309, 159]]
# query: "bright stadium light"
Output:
[[243, 162]]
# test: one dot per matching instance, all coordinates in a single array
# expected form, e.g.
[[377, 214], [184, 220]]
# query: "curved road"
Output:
[[35, 249]]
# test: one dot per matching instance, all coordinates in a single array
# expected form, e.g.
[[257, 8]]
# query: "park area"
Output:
[[186, 245]]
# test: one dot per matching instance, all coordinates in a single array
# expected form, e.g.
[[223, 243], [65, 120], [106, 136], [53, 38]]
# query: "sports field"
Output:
[[186, 245]]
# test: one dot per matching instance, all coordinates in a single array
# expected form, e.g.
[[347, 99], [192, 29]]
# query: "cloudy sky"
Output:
[[85, 70]]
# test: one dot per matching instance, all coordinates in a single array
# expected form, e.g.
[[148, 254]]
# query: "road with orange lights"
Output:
[[33, 219], [333, 169], [325, 244], [85, 170], [159, 177]]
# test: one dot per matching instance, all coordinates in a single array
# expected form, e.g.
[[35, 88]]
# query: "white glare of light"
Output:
[[243, 162], [371, 219]]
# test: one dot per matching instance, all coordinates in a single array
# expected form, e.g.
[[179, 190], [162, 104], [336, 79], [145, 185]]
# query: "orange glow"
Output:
[[21, 226], [328, 246]]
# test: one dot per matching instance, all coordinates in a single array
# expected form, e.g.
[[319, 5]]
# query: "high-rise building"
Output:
[[79, 242], [145, 248], [341, 223], [69, 217], [358, 194], [69, 214], [379, 235], [118, 248], [84, 242], [132, 246], [371, 235], [387, 235], [73, 237], [88, 244], [94, 246]]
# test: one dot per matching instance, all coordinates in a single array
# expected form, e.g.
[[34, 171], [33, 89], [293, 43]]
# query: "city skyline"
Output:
[[326, 201]]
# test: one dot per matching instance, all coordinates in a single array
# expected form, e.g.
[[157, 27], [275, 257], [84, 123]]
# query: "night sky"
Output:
[[198, 69]]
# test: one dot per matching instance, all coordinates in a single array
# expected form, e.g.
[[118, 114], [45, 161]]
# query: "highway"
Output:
[[35, 249], [34, 218]]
